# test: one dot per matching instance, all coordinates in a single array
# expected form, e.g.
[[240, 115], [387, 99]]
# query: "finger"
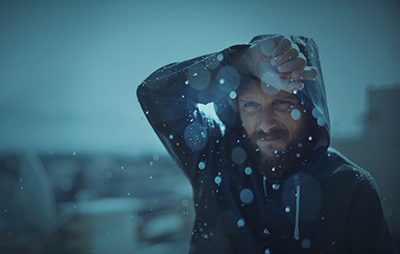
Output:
[[292, 65], [290, 54], [305, 74], [283, 44], [267, 47], [294, 85]]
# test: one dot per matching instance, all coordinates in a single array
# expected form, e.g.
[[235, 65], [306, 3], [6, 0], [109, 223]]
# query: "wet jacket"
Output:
[[327, 205]]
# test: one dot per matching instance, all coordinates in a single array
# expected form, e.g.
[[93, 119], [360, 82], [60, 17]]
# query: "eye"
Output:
[[251, 107], [283, 105]]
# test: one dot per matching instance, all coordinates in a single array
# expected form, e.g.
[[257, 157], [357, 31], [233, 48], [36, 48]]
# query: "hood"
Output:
[[312, 95]]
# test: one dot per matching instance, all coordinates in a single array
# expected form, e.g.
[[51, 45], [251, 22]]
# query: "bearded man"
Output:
[[264, 177]]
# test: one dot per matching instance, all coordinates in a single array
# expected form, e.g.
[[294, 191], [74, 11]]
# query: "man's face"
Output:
[[273, 122]]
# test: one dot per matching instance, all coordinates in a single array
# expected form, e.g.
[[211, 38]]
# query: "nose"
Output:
[[267, 119]]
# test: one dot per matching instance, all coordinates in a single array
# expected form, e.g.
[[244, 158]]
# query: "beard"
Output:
[[279, 163]]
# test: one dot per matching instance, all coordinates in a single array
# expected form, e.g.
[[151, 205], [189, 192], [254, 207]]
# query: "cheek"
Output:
[[296, 127], [248, 124]]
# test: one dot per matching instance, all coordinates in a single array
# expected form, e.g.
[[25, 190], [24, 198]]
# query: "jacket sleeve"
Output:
[[367, 230], [170, 99]]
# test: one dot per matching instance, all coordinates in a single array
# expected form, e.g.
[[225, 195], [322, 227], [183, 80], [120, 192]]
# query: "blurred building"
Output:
[[378, 151]]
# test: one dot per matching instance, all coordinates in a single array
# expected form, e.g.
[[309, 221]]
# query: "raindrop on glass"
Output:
[[201, 165], [233, 95], [195, 136], [238, 155], [109, 174], [306, 243], [321, 121], [185, 203], [246, 196], [295, 114], [240, 223], [248, 171], [198, 76]]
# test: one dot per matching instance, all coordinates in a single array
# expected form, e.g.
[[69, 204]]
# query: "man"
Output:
[[263, 178]]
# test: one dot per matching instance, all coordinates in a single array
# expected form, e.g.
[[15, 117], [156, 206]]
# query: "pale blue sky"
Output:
[[69, 69]]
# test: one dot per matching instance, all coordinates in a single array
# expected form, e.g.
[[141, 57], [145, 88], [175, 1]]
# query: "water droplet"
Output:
[[276, 186], [295, 114], [151, 177], [230, 77], [298, 155], [220, 57], [266, 232], [185, 203], [300, 145], [248, 171], [171, 136], [74, 153], [201, 165], [321, 121], [109, 174], [233, 95], [315, 113], [195, 136], [287, 209], [238, 155], [310, 138], [199, 76], [267, 251], [273, 169], [306, 243], [129, 193], [240, 223], [246, 196], [217, 180]]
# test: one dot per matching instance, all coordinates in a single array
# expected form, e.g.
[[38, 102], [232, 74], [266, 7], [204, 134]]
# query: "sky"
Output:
[[69, 69]]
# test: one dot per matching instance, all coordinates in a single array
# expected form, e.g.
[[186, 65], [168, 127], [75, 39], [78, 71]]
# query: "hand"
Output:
[[277, 61]]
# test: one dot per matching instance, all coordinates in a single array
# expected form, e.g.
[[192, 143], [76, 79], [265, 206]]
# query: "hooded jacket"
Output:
[[327, 205]]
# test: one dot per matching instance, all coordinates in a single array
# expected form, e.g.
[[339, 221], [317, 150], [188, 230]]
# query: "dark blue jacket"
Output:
[[327, 205]]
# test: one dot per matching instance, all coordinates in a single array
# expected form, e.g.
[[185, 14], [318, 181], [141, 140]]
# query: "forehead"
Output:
[[254, 91]]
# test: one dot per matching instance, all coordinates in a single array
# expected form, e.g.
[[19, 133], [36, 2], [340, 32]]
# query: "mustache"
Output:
[[275, 133]]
